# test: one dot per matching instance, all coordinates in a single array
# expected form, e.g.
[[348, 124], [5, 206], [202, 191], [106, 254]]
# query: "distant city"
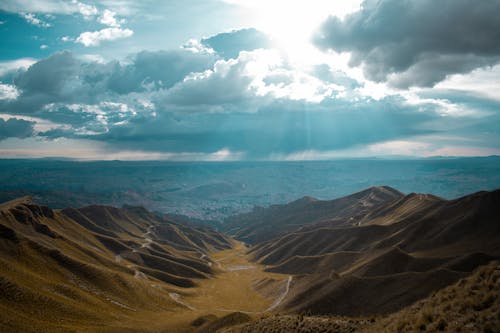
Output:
[[215, 190]]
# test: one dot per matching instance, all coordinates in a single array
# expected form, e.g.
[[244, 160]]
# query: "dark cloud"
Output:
[[416, 43], [49, 76], [281, 127], [62, 78], [230, 44], [183, 102], [162, 69], [15, 128]]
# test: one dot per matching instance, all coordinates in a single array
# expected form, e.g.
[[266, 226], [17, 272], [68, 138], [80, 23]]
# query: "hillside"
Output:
[[263, 224], [470, 305], [94, 265], [394, 255], [374, 254]]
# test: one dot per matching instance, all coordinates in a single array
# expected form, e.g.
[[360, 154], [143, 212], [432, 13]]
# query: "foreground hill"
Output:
[[94, 265], [263, 224], [393, 255], [470, 305]]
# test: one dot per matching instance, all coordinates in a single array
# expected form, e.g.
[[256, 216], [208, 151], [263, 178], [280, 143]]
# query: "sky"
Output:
[[227, 80]]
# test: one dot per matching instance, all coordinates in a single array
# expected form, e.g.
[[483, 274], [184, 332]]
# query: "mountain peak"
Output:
[[26, 200], [304, 200]]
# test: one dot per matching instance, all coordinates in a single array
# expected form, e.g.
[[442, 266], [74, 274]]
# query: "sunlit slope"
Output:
[[94, 266], [394, 255]]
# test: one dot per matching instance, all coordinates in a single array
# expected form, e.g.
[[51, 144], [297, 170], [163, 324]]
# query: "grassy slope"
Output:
[[57, 275], [470, 305]]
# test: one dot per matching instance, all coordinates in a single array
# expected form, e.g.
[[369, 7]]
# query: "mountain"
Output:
[[263, 224], [94, 266], [393, 255], [374, 261]]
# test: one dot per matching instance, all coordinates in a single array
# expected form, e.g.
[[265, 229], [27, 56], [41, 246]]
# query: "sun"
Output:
[[291, 24]]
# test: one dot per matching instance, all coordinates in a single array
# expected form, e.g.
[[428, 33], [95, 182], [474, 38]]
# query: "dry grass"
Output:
[[470, 305]]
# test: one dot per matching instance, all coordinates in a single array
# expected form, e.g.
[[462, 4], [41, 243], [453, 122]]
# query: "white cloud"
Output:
[[66, 39], [13, 65], [444, 107], [108, 18], [32, 19], [254, 77], [94, 38], [87, 11], [90, 57], [482, 82], [43, 47], [49, 7], [196, 46], [8, 91]]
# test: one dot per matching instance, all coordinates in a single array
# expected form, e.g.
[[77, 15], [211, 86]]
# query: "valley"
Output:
[[348, 263]]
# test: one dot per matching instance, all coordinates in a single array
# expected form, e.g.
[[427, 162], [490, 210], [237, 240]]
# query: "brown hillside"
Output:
[[263, 224], [94, 265], [379, 264], [470, 305]]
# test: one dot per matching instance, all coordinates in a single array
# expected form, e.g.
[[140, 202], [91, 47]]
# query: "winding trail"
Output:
[[280, 299], [147, 238], [177, 298]]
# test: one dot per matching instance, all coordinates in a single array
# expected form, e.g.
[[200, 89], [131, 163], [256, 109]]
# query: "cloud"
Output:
[[8, 92], [482, 82], [278, 128], [6, 66], [413, 43], [49, 76], [49, 7], [161, 69], [15, 128], [246, 83], [108, 18], [94, 38], [230, 44], [32, 19], [185, 105], [87, 11], [63, 78]]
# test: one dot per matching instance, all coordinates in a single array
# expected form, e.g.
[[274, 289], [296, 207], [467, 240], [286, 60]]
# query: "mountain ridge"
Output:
[[263, 224], [412, 237]]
